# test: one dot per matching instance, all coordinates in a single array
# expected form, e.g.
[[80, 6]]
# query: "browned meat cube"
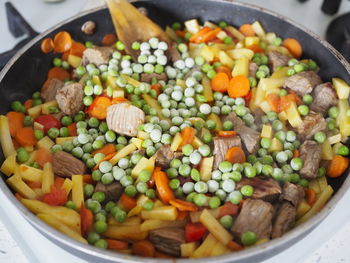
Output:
[[266, 189], [48, 92], [164, 155], [168, 240], [145, 77], [70, 98], [253, 68], [312, 123], [97, 55], [124, 118], [303, 82], [324, 98], [293, 193], [310, 153], [284, 219], [221, 145], [255, 216], [277, 59], [173, 53], [249, 136], [65, 165], [112, 191]]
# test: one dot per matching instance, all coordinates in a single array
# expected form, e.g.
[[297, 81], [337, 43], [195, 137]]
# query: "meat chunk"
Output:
[[173, 53], [255, 216], [50, 88], [168, 240], [312, 123], [293, 193], [112, 191], [88, 28], [221, 145], [284, 220], [148, 77], [253, 68], [277, 59], [164, 155], [324, 98], [303, 82], [266, 189], [65, 165], [97, 55], [310, 153], [249, 136], [258, 113], [70, 98]]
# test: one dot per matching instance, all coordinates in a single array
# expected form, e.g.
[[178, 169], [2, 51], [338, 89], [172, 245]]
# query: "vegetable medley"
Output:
[[217, 140]]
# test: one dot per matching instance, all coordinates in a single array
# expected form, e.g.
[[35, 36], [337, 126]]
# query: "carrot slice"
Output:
[[197, 38], [58, 73], [117, 244], [25, 136], [58, 182], [256, 48], [43, 156], [235, 155], [117, 100], [106, 158], [86, 219], [238, 87], [127, 202], [107, 149], [109, 40], [224, 69], [143, 248], [234, 246], [62, 42], [28, 104], [77, 49], [87, 179], [162, 184], [337, 166], [227, 133], [15, 121], [275, 102], [182, 215], [183, 205], [247, 30], [98, 108], [187, 135], [72, 128], [47, 45], [293, 46], [65, 55], [180, 33], [310, 196], [157, 87], [296, 153], [210, 35], [220, 82], [228, 209]]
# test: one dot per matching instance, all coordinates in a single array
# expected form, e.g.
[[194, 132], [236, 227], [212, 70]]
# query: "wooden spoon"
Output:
[[131, 25]]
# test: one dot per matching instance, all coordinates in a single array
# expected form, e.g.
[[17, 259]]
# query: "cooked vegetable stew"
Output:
[[220, 139]]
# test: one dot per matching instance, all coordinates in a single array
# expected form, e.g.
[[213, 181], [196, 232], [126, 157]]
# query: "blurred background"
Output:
[[328, 243]]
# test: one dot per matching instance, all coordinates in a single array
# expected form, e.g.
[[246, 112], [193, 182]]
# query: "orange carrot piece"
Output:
[[183, 205], [15, 121], [118, 100], [180, 33], [247, 30], [87, 179], [72, 128], [182, 215], [77, 49], [157, 87], [197, 38], [25, 136], [227, 133], [296, 153], [235, 155], [28, 104], [293, 46], [256, 48], [62, 42], [220, 82], [18, 196], [143, 248], [47, 45], [162, 185], [310, 196], [117, 244], [58, 73], [107, 149], [86, 219], [34, 185], [106, 158], [210, 35], [158, 254], [98, 108], [65, 55], [58, 182], [224, 69], [337, 166], [275, 102], [187, 135], [234, 246], [43, 156], [109, 40], [238, 87], [15, 143], [228, 209], [127, 202]]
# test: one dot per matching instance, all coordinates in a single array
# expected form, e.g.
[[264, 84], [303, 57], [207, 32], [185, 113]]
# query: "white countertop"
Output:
[[328, 243]]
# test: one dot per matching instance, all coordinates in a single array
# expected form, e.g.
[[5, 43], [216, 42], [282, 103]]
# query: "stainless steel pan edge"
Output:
[[254, 254]]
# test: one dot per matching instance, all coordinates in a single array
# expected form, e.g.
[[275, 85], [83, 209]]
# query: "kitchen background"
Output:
[[19, 242]]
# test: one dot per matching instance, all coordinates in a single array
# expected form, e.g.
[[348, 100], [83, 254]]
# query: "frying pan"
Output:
[[26, 71]]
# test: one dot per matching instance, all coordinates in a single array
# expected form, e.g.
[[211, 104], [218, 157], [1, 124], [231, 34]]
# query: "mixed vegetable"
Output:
[[217, 140]]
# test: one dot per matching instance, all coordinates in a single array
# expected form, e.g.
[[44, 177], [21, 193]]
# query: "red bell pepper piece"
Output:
[[194, 231], [86, 220], [48, 121], [55, 197]]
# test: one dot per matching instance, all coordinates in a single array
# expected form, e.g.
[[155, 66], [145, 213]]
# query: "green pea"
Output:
[[247, 190], [308, 99], [101, 243], [214, 202], [187, 149], [88, 190], [249, 171], [248, 238], [333, 112], [321, 172], [17, 106], [38, 134], [71, 205], [93, 237], [343, 150], [144, 176], [36, 95], [320, 137], [148, 205], [226, 221], [96, 175], [265, 143], [195, 175], [207, 138], [200, 199], [227, 126], [64, 132], [22, 155], [37, 102], [303, 110], [174, 183], [53, 133], [66, 120], [99, 196], [100, 227], [150, 193], [304, 183]]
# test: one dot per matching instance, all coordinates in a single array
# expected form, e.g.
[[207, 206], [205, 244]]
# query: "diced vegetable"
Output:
[[122, 153], [342, 88], [30, 174], [5, 137], [125, 232], [205, 248], [151, 224], [47, 178], [241, 67], [206, 168], [17, 184], [77, 190], [46, 143], [293, 115], [9, 166], [143, 164], [192, 26], [187, 249], [161, 213], [266, 131]]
